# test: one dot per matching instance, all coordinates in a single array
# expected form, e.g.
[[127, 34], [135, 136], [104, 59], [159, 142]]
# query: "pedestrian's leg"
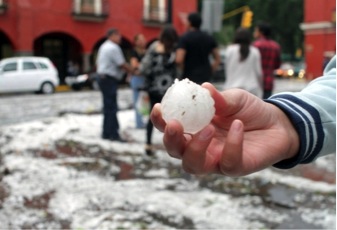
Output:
[[267, 94], [149, 128], [110, 123], [103, 83], [137, 83], [113, 110]]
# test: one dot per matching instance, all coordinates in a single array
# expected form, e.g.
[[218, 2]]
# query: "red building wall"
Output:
[[320, 34], [25, 21], [318, 10]]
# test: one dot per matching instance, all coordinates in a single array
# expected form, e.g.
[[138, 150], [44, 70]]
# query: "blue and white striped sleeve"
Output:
[[313, 114]]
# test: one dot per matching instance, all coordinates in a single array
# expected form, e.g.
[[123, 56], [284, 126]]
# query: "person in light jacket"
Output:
[[243, 64]]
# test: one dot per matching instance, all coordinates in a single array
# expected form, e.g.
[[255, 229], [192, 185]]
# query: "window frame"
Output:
[[159, 14], [3, 6], [96, 13]]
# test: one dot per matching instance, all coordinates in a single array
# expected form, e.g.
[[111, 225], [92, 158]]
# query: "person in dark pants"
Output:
[[159, 69], [111, 65]]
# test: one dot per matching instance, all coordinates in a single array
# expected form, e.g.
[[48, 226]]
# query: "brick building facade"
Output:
[[66, 30], [320, 34]]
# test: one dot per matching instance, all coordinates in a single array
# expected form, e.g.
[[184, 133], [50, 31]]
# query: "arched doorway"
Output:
[[6, 47], [62, 49]]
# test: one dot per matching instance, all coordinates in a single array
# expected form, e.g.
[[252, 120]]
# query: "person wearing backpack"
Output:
[[159, 69]]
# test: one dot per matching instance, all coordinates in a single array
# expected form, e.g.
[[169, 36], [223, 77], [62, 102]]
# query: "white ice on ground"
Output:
[[91, 201]]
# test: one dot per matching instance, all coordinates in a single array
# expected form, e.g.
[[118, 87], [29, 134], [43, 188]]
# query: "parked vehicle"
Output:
[[82, 81], [290, 70], [28, 74]]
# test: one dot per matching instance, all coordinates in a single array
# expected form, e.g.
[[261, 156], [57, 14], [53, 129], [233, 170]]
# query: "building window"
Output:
[[93, 10], [3, 6], [157, 11]]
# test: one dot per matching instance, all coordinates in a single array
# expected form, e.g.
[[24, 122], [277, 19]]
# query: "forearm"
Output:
[[313, 115], [126, 67], [216, 59], [215, 65]]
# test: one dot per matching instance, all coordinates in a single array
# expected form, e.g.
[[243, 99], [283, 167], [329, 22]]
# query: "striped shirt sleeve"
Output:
[[313, 114]]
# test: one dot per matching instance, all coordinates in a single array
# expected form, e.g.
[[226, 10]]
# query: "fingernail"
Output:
[[205, 134], [237, 126]]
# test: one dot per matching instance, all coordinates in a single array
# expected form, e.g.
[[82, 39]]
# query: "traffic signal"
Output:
[[247, 18]]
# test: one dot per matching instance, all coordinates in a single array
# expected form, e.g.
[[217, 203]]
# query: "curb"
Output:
[[62, 88]]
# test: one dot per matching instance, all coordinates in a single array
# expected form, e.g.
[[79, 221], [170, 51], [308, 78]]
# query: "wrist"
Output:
[[290, 131]]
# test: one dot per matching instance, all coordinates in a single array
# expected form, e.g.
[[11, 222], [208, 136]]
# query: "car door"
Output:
[[8, 76], [30, 75]]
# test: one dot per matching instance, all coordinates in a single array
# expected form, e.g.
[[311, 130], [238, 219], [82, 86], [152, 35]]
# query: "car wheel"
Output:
[[47, 88]]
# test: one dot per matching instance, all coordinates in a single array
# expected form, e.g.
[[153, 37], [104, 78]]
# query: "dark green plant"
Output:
[[284, 17]]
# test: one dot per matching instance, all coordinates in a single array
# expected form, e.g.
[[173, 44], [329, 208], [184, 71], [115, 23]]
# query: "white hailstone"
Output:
[[190, 104]]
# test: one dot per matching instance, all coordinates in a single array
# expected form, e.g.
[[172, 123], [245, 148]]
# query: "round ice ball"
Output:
[[190, 104]]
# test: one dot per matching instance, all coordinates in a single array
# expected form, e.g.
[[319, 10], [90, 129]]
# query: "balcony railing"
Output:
[[3, 6], [95, 10]]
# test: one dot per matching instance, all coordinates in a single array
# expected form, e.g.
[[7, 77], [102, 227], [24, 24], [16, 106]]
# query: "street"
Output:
[[28, 107], [57, 173]]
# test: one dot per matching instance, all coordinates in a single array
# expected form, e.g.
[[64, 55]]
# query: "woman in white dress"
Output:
[[243, 64]]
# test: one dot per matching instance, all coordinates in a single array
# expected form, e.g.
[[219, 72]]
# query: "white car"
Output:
[[28, 74]]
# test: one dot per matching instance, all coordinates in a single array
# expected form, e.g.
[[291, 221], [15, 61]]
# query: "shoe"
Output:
[[149, 150]]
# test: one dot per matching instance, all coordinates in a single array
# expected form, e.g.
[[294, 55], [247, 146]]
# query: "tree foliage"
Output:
[[284, 17]]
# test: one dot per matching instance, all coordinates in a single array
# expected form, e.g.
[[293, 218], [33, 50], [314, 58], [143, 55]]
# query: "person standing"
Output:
[[270, 54], [159, 68], [137, 81], [111, 65], [193, 52], [243, 64]]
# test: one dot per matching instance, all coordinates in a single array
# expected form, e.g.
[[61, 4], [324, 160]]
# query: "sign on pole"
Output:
[[212, 11]]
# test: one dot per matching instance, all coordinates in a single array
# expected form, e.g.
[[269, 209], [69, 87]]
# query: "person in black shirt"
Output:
[[194, 50]]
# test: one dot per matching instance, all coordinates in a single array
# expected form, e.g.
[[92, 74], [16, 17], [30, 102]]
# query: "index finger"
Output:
[[157, 119], [219, 101]]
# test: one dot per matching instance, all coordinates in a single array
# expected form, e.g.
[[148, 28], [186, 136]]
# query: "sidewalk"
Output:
[[289, 85]]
